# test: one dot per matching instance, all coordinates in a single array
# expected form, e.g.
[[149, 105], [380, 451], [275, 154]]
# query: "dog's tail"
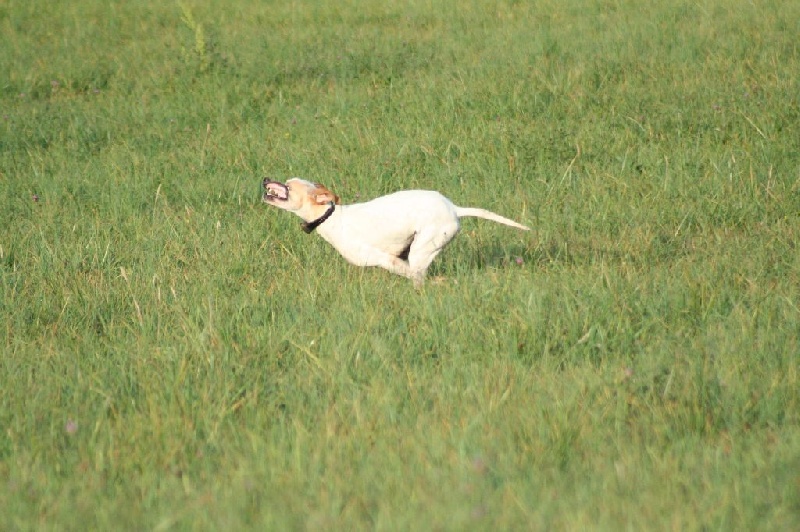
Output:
[[488, 215]]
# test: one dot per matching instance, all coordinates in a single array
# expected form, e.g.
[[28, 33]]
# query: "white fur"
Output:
[[377, 232]]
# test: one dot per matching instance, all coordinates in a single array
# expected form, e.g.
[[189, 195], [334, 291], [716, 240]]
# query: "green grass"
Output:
[[176, 355]]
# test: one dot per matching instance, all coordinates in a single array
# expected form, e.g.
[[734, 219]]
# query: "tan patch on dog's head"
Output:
[[322, 196], [317, 193]]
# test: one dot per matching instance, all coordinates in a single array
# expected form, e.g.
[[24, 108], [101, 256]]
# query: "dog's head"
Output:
[[298, 196]]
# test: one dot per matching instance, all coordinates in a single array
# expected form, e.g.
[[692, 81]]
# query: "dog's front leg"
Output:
[[365, 255], [398, 266], [394, 264]]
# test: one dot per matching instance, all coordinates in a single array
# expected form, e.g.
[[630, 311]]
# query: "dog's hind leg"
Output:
[[427, 244]]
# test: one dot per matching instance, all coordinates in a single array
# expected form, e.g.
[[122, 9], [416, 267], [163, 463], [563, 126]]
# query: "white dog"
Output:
[[401, 232]]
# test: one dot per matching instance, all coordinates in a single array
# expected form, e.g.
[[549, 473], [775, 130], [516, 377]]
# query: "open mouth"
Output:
[[275, 191]]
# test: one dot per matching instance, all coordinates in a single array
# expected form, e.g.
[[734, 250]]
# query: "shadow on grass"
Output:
[[555, 253], [497, 254]]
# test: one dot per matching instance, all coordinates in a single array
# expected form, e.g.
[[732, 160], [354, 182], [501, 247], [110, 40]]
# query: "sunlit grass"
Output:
[[176, 355]]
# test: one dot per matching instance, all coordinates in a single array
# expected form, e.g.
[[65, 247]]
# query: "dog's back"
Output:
[[406, 208]]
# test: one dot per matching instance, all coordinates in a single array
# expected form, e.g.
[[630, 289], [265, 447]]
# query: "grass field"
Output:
[[178, 356]]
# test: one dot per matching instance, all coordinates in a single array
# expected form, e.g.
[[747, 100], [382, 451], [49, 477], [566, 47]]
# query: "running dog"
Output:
[[402, 232]]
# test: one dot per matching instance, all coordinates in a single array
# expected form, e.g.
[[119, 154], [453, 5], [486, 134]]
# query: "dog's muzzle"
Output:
[[274, 191]]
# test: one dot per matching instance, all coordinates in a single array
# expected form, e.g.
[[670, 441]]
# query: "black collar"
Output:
[[308, 227]]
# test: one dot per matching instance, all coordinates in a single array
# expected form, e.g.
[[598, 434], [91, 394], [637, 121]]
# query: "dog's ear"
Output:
[[323, 196]]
